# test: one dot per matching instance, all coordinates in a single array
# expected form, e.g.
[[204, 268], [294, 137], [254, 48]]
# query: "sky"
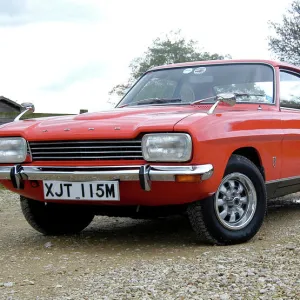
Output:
[[66, 55]]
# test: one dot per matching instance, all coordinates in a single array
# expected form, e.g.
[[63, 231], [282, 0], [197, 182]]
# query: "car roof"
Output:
[[227, 61]]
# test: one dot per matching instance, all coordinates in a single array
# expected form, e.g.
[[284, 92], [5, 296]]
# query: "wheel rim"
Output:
[[235, 201]]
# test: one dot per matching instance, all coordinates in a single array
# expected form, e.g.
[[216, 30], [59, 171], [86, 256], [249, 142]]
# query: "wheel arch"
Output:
[[253, 155]]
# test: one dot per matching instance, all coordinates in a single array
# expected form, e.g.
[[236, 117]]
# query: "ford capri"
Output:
[[211, 140]]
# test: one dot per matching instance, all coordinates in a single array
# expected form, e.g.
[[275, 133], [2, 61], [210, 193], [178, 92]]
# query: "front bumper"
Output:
[[145, 174]]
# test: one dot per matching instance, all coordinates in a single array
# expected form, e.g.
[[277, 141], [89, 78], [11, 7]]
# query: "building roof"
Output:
[[10, 102]]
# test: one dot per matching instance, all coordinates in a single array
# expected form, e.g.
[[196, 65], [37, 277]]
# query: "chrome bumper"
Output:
[[145, 174]]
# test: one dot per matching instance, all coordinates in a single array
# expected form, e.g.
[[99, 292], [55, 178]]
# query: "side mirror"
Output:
[[228, 98], [26, 107]]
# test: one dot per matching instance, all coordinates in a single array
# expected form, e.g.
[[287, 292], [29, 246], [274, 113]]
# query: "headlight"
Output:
[[167, 147], [12, 150]]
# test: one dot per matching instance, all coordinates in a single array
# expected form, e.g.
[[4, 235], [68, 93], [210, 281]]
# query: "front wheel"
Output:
[[235, 213], [55, 219]]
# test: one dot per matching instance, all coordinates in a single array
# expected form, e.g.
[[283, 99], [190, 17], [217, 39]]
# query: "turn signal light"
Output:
[[188, 178]]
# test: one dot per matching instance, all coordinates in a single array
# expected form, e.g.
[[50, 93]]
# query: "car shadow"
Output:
[[172, 230], [168, 232]]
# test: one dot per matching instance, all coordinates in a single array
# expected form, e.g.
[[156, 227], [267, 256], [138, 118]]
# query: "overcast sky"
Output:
[[64, 55]]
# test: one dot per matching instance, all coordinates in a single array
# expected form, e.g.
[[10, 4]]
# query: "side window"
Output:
[[289, 90]]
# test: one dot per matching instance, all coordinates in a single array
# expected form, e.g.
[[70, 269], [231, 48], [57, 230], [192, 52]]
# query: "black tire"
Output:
[[205, 217], [55, 219]]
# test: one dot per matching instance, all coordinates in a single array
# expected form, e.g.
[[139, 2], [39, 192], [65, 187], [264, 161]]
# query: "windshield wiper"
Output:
[[248, 95], [202, 100], [157, 101], [236, 94], [154, 101]]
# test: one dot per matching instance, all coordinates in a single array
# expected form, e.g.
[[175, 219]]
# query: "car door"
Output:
[[289, 86]]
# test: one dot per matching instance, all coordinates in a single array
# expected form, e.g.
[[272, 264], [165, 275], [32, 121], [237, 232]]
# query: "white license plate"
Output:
[[93, 190]]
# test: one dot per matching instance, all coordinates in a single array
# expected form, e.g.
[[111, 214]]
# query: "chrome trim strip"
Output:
[[51, 158], [89, 152], [122, 173], [289, 108], [66, 142], [90, 147]]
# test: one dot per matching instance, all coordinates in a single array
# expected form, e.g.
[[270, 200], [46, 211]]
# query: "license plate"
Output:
[[93, 190]]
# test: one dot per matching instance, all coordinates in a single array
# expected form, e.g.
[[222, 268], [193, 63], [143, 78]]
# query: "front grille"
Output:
[[87, 150]]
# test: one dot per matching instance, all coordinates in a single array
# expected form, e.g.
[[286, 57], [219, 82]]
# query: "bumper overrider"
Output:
[[145, 174]]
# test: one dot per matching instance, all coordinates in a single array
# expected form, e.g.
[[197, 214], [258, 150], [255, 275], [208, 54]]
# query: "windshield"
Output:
[[186, 85]]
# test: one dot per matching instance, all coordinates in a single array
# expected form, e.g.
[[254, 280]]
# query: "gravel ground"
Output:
[[132, 259]]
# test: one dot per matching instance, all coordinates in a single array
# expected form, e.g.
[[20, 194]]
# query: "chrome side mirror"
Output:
[[228, 98], [26, 107]]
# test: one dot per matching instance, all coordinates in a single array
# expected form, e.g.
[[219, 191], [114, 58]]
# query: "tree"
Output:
[[285, 44], [173, 48]]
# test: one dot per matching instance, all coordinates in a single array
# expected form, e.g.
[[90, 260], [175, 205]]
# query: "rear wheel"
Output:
[[55, 219], [235, 213]]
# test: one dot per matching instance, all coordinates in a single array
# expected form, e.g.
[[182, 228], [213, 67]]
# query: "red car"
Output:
[[211, 139]]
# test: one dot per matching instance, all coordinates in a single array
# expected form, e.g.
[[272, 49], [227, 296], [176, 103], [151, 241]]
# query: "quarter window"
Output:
[[289, 90]]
